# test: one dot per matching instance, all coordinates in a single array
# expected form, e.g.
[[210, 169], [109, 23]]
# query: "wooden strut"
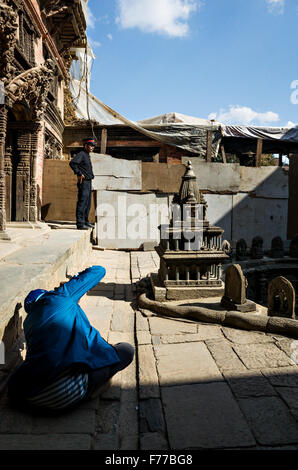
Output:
[[259, 152], [103, 142], [209, 146]]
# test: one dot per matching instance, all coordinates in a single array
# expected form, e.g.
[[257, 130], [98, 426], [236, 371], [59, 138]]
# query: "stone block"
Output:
[[143, 337], [141, 322], [270, 420], [106, 441], [153, 441], [204, 416], [148, 379], [79, 421], [116, 174], [245, 384], [151, 416], [45, 442], [225, 357], [282, 376], [185, 363], [262, 355], [246, 337], [168, 326]]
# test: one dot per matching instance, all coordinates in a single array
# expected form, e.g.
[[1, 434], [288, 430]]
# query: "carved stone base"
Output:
[[162, 293], [4, 235], [248, 306]]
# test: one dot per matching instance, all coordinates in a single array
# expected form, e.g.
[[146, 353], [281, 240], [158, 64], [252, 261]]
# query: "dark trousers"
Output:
[[98, 377], [84, 202]]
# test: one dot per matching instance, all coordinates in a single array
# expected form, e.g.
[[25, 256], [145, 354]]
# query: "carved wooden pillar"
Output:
[[33, 209], [8, 180], [23, 175], [3, 126]]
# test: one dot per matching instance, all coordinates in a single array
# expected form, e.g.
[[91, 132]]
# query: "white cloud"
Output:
[[90, 18], [93, 43], [244, 115], [276, 6], [167, 17], [109, 36], [291, 124]]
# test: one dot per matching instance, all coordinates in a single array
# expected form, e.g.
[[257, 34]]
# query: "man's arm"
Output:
[[74, 163], [82, 282]]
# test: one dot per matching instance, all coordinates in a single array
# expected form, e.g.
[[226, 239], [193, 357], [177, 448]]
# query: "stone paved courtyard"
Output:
[[191, 385]]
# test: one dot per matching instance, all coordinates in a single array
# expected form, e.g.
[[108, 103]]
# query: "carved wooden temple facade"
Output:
[[36, 37]]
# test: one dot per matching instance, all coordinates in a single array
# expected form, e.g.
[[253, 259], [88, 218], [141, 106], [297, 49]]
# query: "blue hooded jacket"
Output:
[[58, 334]]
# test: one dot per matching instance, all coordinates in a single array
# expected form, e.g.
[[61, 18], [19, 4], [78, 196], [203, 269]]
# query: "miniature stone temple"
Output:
[[190, 249], [235, 291]]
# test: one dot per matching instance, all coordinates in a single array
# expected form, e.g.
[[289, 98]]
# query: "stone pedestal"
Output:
[[247, 306]]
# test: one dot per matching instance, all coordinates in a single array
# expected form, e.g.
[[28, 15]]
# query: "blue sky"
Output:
[[233, 60]]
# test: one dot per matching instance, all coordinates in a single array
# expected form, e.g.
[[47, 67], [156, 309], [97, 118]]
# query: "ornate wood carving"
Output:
[[32, 86], [8, 29], [8, 168], [3, 124], [23, 175]]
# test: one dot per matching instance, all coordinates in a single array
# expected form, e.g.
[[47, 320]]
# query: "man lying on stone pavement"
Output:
[[67, 360]]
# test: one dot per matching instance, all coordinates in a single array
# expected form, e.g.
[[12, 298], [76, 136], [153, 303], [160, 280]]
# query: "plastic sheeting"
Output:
[[182, 131], [289, 134]]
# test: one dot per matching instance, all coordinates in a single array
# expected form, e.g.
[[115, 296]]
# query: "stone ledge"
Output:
[[43, 266]]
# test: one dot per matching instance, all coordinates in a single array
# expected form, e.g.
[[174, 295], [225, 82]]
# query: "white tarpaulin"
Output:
[[289, 134]]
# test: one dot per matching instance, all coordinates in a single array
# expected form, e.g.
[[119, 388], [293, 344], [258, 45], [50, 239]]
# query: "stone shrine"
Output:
[[281, 298], [190, 249], [235, 291]]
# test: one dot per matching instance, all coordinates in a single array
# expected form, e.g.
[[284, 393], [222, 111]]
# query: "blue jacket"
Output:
[[58, 334]]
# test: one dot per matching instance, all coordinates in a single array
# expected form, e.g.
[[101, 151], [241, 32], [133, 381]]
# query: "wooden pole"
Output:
[[223, 153], [103, 142], [209, 146], [280, 159], [259, 152]]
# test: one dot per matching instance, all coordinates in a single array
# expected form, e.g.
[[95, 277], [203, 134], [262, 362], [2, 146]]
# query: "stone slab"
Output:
[[282, 376], [164, 326], [224, 356], [246, 337], [45, 442], [262, 355], [245, 384], [204, 416], [79, 421], [148, 378], [270, 420], [290, 397], [143, 337], [185, 363], [151, 416], [153, 441]]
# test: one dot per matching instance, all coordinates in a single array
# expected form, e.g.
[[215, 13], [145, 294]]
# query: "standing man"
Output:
[[82, 167]]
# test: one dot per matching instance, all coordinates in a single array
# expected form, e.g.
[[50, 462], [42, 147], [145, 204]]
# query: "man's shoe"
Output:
[[82, 227], [89, 224]]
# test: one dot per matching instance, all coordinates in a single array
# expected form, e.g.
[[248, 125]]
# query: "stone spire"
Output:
[[189, 185]]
